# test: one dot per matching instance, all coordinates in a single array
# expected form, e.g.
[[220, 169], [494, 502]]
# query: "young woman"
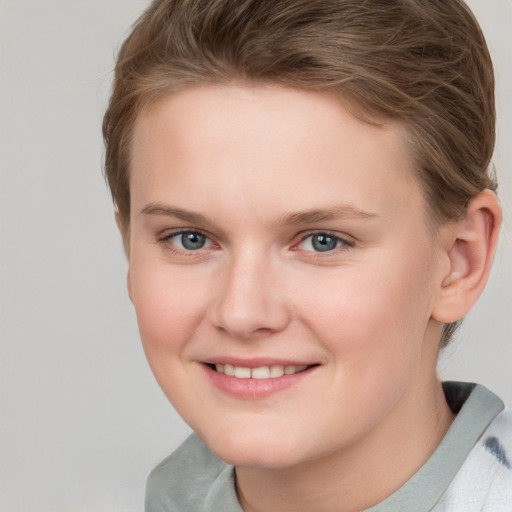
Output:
[[303, 192]]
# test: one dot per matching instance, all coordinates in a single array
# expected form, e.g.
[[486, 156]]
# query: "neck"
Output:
[[359, 476]]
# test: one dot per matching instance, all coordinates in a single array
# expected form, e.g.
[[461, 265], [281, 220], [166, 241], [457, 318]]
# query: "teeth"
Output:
[[276, 371], [263, 372], [242, 373], [228, 370], [289, 370]]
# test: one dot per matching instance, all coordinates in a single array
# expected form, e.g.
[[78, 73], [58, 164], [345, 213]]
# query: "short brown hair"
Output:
[[423, 62]]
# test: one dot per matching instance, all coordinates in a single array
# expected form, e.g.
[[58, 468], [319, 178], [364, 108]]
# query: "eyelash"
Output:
[[340, 243], [170, 246]]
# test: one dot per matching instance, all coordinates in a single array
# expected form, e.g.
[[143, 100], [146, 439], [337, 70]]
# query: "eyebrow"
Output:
[[292, 219], [324, 214], [170, 211]]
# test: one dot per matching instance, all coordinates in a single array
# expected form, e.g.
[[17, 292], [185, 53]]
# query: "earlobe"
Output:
[[117, 218], [470, 245], [129, 285]]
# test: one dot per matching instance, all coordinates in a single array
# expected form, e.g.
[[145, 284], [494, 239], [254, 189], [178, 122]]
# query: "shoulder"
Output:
[[182, 480], [484, 481]]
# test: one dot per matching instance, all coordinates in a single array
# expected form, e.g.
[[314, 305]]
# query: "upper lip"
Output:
[[256, 362]]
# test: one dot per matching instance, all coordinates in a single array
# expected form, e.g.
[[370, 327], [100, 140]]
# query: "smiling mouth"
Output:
[[262, 372]]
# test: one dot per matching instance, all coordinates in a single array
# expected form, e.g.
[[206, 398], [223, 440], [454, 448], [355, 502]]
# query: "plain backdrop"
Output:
[[82, 421]]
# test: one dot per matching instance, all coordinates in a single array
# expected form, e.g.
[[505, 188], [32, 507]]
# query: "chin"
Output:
[[254, 449]]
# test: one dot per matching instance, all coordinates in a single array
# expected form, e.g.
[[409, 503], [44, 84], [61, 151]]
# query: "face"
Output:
[[282, 271]]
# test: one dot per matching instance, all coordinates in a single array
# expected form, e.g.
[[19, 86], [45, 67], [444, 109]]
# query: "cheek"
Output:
[[376, 310], [169, 306]]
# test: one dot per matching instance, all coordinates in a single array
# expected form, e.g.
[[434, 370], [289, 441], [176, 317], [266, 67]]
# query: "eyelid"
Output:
[[346, 241], [167, 235]]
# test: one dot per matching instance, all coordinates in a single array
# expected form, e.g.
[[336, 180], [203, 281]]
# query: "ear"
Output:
[[470, 245], [117, 218], [125, 233], [129, 284], [125, 244]]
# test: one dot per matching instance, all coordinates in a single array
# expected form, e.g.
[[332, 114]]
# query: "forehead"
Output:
[[291, 147]]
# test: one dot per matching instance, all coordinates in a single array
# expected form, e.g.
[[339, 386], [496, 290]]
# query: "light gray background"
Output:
[[82, 421]]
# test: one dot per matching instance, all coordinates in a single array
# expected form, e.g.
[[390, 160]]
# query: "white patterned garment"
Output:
[[484, 482]]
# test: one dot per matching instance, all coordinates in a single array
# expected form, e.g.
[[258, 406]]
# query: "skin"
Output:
[[258, 171]]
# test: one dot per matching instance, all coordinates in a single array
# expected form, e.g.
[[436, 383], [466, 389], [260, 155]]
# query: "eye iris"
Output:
[[324, 243], [193, 241]]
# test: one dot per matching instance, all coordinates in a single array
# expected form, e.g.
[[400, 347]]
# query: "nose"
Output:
[[251, 302]]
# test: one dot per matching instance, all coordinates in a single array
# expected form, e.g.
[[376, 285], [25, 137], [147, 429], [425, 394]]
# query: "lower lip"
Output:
[[254, 389]]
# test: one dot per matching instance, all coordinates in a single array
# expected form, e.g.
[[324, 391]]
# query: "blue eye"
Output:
[[190, 240], [321, 242]]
